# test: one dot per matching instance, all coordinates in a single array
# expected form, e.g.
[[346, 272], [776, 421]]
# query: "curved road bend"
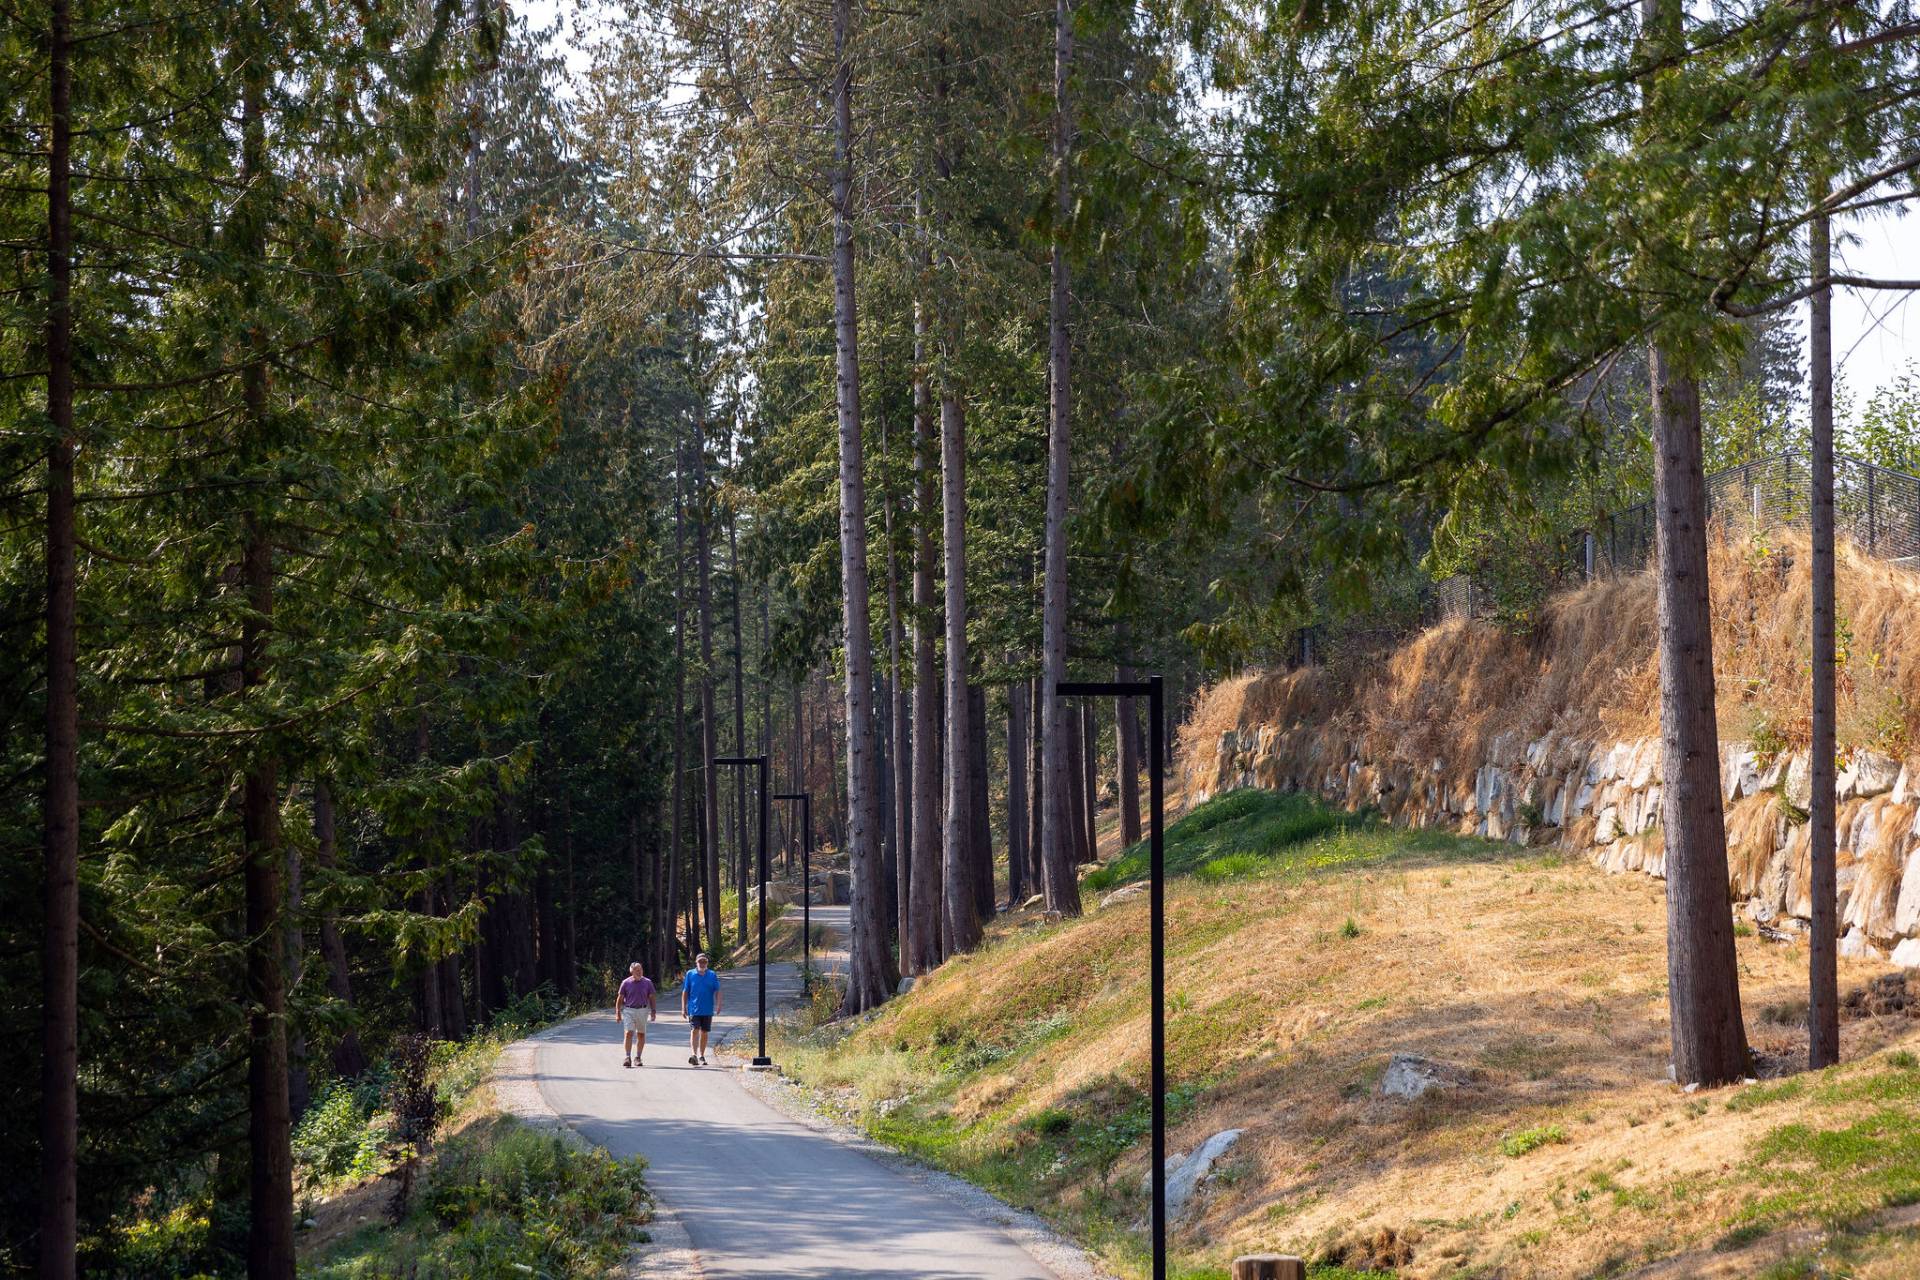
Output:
[[761, 1195]]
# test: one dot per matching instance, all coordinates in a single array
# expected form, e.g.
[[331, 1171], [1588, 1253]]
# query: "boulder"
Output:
[[831, 888], [1646, 758], [1907, 954], [906, 984], [1036, 900], [1409, 1075], [778, 894], [1127, 893], [1741, 774], [1186, 1173], [1855, 946], [1868, 773], [1906, 911], [1799, 781]]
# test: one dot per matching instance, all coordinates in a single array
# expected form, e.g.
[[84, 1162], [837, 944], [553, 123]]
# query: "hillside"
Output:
[[1306, 948], [1549, 737]]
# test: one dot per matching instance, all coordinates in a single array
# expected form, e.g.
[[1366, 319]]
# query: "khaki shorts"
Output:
[[634, 1020]]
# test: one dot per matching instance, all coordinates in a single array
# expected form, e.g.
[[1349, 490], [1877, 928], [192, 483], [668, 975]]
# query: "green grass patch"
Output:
[[501, 1199], [1233, 835], [1519, 1144]]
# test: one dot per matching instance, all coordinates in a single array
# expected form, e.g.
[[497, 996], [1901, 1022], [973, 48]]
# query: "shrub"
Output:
[[415, 1103], [338, 1139], [1519, 1144], [503, 1199]]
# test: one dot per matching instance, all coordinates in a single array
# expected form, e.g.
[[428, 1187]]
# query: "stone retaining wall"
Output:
[[1601, 800]]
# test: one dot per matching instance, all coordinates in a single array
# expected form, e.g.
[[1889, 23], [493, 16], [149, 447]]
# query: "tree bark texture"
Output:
[[870, 968], [1057, 848], [1090, 777], [962, 917], [1709, 1040], [920, 948], [709, 735], [902, 773], [1823, 980], [745, 873], [1127, 750], [1036, 799], [1017, 767], [979, 808]]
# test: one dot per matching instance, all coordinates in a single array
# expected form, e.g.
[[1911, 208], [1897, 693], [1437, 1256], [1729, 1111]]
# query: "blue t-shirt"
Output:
[[700, 989]]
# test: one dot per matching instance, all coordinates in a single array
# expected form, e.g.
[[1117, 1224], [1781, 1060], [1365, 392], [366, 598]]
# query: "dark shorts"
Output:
[[701, 1021]]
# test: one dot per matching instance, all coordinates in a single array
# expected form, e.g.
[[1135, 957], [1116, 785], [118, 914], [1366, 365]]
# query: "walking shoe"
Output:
[[693, 1061], [626, 1062], [703, 1059]]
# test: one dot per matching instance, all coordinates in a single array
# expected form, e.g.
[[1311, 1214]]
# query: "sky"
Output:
[[1876, 332]]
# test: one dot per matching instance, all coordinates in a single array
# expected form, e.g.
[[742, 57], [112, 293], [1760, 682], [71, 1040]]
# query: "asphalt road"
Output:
[[761, 1194]]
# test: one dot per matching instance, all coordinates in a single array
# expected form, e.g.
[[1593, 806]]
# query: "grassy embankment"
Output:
[[1305, 947], [493, 1196]]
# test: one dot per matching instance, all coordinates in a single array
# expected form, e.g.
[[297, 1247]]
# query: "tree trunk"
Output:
[[1090, 776], [745, 873], [1076, 783], [870, 968], [298, 1091], [60, 816], [427, 1015], [1036, 799], [1057, 842], [568, 923], [709, 738], [799, 749], [1127, 749], [677, 849], [270, 1252], [349, 1060], [1709, 1040], [962, 917], [979, 809], [902, 778], [1823, 981], [546, 926], [667, 954], [1016, 793], [921, 950]]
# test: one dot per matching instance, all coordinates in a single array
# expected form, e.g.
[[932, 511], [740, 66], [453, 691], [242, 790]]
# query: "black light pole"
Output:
[[762, 1062], [1157, 935], [806, 877]]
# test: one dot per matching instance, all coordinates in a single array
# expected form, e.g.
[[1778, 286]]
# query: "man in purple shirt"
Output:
[[636, 993]]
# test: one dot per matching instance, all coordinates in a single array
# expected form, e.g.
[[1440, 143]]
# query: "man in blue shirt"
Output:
[[699, 1002]]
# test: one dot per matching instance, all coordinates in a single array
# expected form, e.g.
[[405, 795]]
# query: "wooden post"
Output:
[[1268, 1266]]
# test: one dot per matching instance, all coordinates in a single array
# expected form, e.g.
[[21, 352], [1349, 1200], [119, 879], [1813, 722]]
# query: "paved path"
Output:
[[761, 1194]]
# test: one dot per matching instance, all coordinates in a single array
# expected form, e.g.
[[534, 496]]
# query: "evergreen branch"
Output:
[[155, 731]]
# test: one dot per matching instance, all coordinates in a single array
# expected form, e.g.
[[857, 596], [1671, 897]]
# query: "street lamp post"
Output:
[[762, 1062], [806, 877], [1156, 938]]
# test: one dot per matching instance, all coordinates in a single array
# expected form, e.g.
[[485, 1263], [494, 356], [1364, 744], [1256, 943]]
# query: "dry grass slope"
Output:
[[1589, 670], [1567, 1155]]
